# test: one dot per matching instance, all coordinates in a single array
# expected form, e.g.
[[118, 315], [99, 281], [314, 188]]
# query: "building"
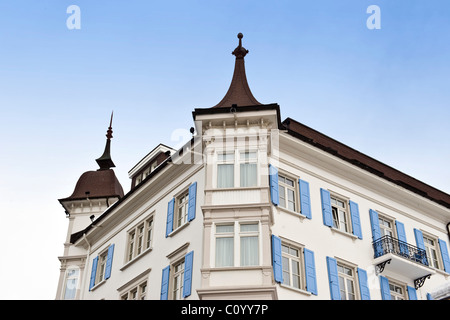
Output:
[[253, 207]]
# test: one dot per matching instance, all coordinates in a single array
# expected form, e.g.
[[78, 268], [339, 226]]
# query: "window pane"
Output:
[[248, 155], [282, 196], [224, 252], [225, 175], [249, 251], [248, 174], [224, 228], [225, 157], [249, 227]]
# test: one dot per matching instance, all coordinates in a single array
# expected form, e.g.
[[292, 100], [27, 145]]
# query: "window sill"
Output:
[[294, 213], [174, 232], [97, 285], [295, 289], [126, 265], [350, 235]]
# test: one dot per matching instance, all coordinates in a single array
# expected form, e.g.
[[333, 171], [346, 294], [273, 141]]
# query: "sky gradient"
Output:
[[383, 92]]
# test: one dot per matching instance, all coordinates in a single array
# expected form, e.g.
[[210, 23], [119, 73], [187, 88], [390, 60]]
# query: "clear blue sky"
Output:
[[383, 92]]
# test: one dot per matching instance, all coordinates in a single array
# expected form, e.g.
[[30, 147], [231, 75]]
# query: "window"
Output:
[[432, 251], [249, 244], [136, 293], [225, 245], [101, 266], [340, 215], [291, 266], [182, 203], [140, 239], [386, 227], [397, 291], [248, 169], [245, 174], [346, 282], [178, 279], [225, 170], [287, 192], [237, 244], [70, 287]]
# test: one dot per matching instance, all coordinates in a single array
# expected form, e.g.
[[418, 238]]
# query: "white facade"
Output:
[[237, 238]]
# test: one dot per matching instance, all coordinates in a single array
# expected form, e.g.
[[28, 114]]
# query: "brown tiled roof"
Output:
[[365, 162], [96, 184]]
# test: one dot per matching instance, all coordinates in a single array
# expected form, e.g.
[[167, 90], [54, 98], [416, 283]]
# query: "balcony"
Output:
[[402, 258]]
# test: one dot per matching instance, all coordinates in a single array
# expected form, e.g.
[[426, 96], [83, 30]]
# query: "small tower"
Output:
[[94, 192]]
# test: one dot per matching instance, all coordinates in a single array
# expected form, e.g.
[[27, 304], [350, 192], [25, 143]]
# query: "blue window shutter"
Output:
[[165, 283], [444, 254], [188, 266], [277, 259], [192, 201], [356, 222], [376, 232], [429, 296], [385, 291], [93, 273], [305, 202], [421, 245], [326, 207], [109, 260], [333, 279], [310, 271], [412, 293], [401, 234], [170, 209], [363, 284], [375, 224], [273, 182]]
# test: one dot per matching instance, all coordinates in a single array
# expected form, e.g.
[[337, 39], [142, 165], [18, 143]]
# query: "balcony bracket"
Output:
[[379, 268], [420, 281]]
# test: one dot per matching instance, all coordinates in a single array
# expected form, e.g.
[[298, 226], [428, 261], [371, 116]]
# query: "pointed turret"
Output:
[[105, 162], [239, 92]]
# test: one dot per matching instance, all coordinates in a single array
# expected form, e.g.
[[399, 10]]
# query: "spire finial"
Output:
[[240, 51], [105, 162], [109, 132]]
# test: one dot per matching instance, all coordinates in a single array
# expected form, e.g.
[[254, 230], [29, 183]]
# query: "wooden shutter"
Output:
[[192, 201], [305, 201]]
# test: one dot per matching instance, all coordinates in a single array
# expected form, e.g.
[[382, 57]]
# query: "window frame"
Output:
[[132, 248], [437, 262], [396, 295], [140, 294], [237, 161], [179, 221], [335, 213], [237, 236], [346, 278], [68, 277], [294, 188], [101, 266], [300, 259]]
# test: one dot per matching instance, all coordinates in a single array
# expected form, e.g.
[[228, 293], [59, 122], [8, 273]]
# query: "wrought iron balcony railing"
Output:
[[388, 244]]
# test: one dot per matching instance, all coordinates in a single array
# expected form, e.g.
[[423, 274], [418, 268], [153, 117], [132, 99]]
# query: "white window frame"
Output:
[[138, 292], [74, 285], [337, 216], [384, 229], [101, 266], [139, 241], [237, 235], [434, 262], [344, 285], [177, 280], [395, 295], [180, 214], [287, 187], [299, 259], [236, 161]]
